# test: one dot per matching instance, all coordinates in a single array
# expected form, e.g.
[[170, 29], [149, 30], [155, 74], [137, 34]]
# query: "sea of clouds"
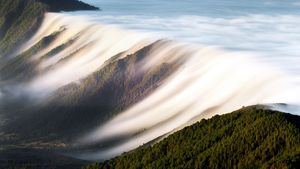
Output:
[[275, 39]]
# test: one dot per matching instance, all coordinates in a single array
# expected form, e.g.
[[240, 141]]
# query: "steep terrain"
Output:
[[94, 100], [100, 95], [252, 137], [73, 87], [20, 19]]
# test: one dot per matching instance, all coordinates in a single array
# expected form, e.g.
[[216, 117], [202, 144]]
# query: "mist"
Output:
[[211, 79]]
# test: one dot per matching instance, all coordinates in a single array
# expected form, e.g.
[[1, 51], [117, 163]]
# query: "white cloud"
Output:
[[296, 4]]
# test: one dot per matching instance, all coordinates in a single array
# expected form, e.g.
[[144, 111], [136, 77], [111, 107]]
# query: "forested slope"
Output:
[[252, 137], [19, 19]]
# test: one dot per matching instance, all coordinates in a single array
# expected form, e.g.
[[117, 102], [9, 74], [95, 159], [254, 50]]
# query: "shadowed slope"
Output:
[[76, 81], [23, 67], [119, 84], [20, 19], [37, 159]]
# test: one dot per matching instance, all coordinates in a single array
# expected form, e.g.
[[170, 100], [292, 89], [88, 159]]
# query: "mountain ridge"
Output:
[[234, 140], [252, 137], [67, 5], [20, 19], [77, 108]]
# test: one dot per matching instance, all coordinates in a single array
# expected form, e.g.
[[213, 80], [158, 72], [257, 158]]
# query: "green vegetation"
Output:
[[19, 19], [97, 98], [23, 66], [252, 137]]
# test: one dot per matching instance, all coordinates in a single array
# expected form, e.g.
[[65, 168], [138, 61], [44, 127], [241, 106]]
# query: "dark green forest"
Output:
[[252, 137]]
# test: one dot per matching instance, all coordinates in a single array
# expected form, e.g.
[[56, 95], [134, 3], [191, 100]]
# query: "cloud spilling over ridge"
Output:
[[93, 45], [269, 36], [208, 81], [211, 81]]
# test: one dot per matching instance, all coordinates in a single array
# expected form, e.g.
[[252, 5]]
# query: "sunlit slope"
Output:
[[252, 137]]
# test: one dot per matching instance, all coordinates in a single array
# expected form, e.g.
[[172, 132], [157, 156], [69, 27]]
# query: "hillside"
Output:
[[112, 86], [70, 87], [37, 159], [19, 19], [252, 137], [101, 95]]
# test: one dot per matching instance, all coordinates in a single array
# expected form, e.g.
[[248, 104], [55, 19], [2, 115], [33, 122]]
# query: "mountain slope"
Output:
[[81, 87], [118, 84], [252, 137], [37, 159], [19, 19], [97, 98]]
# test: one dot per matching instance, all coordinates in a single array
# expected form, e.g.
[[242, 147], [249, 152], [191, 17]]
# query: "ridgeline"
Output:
[[252, 137], [20, 19], [67, 5]]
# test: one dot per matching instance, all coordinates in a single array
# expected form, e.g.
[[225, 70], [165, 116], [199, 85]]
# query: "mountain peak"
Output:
[[67, 5]]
